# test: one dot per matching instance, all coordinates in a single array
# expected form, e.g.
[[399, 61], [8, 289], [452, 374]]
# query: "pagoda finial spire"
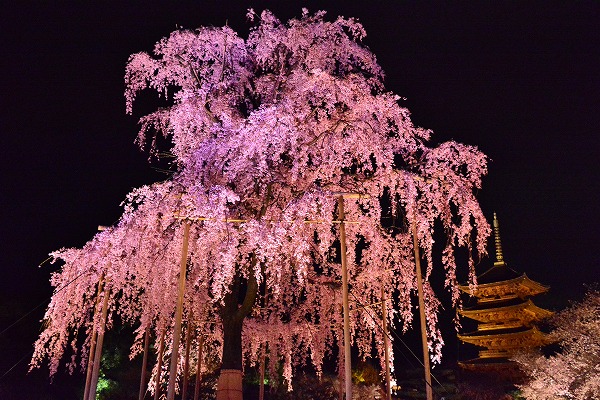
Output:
[[499, 256]]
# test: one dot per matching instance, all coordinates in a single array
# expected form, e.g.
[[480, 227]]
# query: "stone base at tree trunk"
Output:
[[229, 385]]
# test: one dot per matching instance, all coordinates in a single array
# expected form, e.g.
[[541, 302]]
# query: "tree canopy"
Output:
[[574, 371], [267, 132]]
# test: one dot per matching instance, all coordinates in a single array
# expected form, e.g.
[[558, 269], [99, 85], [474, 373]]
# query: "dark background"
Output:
[[518, 79]]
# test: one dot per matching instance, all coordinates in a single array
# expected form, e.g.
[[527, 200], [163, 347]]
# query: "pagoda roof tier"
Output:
[[520, 314], [473, 304], [519, 287], [496, 354], [500, 360], [517, 329], [488, 365], [507, 341]]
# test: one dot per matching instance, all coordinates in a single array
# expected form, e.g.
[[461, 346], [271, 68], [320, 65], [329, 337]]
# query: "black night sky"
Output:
[[521, 80]]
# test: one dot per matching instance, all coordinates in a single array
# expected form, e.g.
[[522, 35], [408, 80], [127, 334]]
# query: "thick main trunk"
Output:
[[232, 343], [229, 385]]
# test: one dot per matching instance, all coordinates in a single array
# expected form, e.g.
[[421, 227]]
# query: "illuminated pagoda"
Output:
[[506, 317]]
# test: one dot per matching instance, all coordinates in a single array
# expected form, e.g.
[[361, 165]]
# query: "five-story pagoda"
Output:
[[506, 317]]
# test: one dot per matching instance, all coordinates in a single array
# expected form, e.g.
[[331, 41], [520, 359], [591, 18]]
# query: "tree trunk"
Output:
[[232, 344], [229, 385]]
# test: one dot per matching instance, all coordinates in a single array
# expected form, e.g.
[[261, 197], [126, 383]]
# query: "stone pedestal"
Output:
[[229, 385]]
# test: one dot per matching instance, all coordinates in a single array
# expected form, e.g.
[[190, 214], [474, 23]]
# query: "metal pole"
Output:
[[423, 320], [386, 344], [199, 368], [178, 314], [98, 352], [144, 364], [347, 355]]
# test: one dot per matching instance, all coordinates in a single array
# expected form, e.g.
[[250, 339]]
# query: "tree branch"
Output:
[[251, 293]]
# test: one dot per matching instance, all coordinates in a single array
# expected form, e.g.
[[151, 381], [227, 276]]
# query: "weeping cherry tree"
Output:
[[266, 133]]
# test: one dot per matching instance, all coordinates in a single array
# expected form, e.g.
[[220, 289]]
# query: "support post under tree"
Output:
[[178, 314], [144, 364], [161, 352], [422, 317], [186, 365], [347, 353], [263, 359], [386, 345], [99, 342], [90, 365], [340, 369], [199, 367]]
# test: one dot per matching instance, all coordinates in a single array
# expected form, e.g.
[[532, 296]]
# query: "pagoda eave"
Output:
[[507, 341], [519, 287], [524, 312], [489, 365]]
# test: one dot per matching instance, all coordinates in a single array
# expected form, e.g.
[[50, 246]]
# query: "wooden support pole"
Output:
[[199, 368], [263, 359], [144, 364], [340, 370], [422, 317], [178, 314], [347, 353], [161, 352], [98, 350], [186, 365], [263, 356], [386, 345], [90, 365]]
